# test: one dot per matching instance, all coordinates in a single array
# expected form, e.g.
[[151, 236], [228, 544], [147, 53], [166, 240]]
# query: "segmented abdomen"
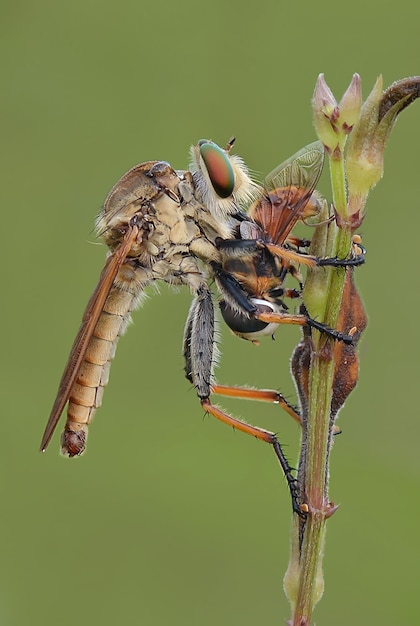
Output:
[[86, 394]]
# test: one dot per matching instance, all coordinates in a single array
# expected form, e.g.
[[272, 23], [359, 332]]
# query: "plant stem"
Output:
[[322, 296]]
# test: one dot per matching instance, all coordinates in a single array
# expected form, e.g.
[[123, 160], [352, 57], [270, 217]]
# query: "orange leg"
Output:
[[304, 320], [291, 255], [313, 261], [198, 347], [282, 318], [263, 435], [262, 395]]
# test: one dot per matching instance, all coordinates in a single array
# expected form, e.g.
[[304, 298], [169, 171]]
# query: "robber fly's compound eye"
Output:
[[218, 167]]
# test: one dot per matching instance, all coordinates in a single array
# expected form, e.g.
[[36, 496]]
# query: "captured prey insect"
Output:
[[256, 261], [167, 225]]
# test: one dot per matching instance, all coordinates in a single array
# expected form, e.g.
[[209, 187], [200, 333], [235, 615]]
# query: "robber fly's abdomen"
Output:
[[86, 393]]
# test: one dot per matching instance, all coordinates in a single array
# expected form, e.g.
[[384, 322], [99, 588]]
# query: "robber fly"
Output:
[[165, 225], [158, 224]]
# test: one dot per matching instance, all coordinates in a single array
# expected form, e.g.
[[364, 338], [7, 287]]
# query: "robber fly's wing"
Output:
[[89, 321], [288, 189], [303, 169]]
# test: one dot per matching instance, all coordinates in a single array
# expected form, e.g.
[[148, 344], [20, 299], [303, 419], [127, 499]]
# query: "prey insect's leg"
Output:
[[198, 349], [263, 395]]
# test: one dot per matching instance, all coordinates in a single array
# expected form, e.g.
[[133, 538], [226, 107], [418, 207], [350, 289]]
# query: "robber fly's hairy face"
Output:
[[221, 179]]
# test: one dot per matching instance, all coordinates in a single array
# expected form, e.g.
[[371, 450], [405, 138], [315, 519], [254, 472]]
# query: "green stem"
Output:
[[338, 183], [322, 296]]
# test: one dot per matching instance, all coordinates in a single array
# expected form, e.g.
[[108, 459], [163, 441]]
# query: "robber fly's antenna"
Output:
[[230, 143]]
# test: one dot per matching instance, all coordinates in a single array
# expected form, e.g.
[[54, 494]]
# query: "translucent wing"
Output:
[[90, 319], [289, 193]]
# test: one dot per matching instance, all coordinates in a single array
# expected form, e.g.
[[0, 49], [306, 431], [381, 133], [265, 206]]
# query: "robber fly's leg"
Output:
[[198, 348], [287, 254], [335, 262], [239, 300], [304, 320], [357, 258], [292, 256], [262, 395], [199, 342], [264, 435]]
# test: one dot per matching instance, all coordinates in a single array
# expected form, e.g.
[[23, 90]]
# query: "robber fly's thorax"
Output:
[[162, 205]]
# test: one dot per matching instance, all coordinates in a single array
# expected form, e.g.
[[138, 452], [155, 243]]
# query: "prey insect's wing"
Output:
[[89, 321], [288, 189]]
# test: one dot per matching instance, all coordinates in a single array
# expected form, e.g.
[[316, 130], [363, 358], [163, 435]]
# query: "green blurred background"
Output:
[[169, 518]]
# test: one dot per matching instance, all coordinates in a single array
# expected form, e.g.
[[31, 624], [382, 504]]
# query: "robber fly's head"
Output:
[[221, 180]]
